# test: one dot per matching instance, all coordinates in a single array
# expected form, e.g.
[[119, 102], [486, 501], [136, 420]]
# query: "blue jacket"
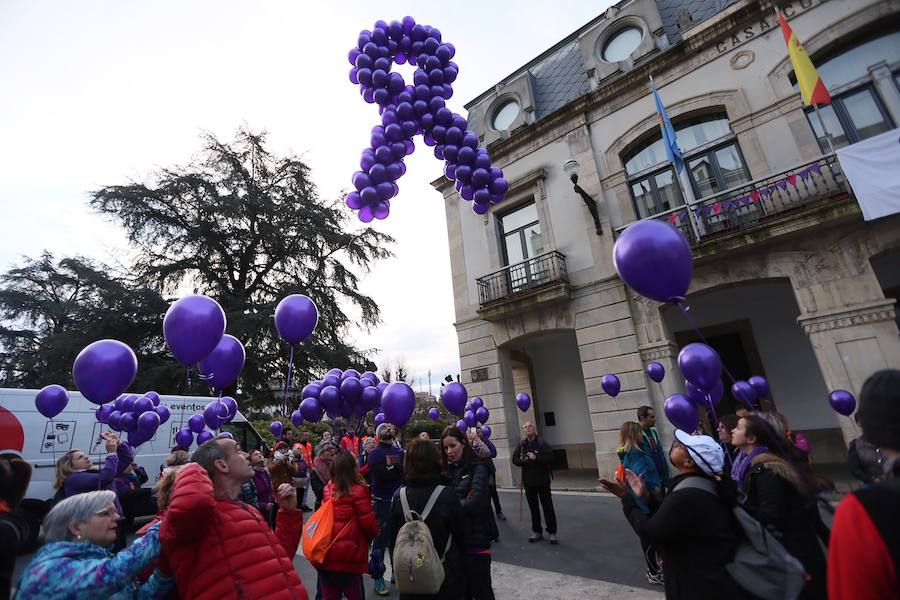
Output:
[[82, 570], [386, 468], [640, 462], [653, 449]]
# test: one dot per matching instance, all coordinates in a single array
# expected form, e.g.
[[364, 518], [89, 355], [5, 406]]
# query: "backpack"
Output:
[[417, 565], [318, 534], [761, 564]]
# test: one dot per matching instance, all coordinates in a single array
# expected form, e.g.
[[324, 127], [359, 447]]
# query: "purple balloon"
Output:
[[349, 373], [760, 385], [486, 432], [311, 410], [103, 412], [221, 367], [154, 398], [163, 412], [379, 419], [231, 407], [523, 401], [128, 422], [184, 438], [119, 403], [744, 393], [128, 402], [398, 402], [477, 403], [205, 436], [370, 398], [148, 423], [482, 414], [351, 389], [296, 317], [225, 435], [115, 420], [193, 326], [700, 365], [842, 401], [654, 259], [277, 428], [454, 396], [51, 400], [330, 397], [656, 371], [434, 414], [468, 406], [137, 437], [142, 405], [297, 418], [103, 370], [462, 425], [611, 384], [470, 419], [681, 412], [699, 396], [310, 390], [196, 423], [213, 414]]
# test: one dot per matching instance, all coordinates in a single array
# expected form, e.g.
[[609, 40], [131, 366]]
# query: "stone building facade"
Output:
[[789, 281]]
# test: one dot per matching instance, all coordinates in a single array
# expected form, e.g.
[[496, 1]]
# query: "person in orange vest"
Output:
[[306, 452], [350, 443]]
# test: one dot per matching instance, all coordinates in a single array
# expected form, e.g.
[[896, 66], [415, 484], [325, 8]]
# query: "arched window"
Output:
[[711, 155], [857, 111]]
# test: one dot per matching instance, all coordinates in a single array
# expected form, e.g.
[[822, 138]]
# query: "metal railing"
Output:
[[522, 278], [757, 202]]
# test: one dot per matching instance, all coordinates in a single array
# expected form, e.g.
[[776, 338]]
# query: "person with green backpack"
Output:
[[428, 530]]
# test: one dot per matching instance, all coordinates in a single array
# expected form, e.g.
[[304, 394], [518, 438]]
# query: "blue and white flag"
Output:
[[673, 152]]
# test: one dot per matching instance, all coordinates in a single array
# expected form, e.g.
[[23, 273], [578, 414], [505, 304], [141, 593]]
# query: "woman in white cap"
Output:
[[692, 530]]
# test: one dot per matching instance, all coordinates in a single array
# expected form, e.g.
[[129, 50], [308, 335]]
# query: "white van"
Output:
[[41, 441]]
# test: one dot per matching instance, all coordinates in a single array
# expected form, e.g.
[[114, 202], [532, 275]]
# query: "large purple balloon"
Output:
[[656, 371], [196, 423], [103, 370], [699, 396], [760, 385], [51, 400], [700, 365], [610, 384], [221, 367], [277, 428], [296, 418], [102, 413], [454, 396], [193, 326], [296, 317], [681, 412], [163, 413], [204, 436], [744, 393], [214, 414], [523, 401], [311, 410], [482, 414], [434, 414], [148, 423], [842, 401], [654, 259], [398, 402], [184, 438]]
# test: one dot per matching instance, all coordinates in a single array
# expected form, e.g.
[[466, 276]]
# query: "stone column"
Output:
[[665, 353], [884, 83], [851, 343]]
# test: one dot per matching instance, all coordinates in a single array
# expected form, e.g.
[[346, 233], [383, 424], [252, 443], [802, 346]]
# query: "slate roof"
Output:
[[700, 10]]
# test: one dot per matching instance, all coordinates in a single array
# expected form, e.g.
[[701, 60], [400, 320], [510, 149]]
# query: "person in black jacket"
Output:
[[18, 527], [470, 478], [446, 520], [692, 530], [535, 456]]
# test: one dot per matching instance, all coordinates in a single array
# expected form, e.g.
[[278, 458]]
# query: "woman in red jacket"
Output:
[[355, 527]]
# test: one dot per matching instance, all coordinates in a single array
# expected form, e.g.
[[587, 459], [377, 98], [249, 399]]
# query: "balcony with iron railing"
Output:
[[522, 286], [801, 196]]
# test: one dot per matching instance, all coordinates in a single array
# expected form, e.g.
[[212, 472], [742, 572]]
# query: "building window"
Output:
[[505, 115], [622, 43], [851, 117], [711, 154], [520, 232]]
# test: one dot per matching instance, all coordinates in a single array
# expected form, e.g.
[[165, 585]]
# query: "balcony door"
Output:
[[522, 241]]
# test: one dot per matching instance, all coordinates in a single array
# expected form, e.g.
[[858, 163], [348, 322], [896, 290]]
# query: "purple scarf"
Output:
[[742, 465]]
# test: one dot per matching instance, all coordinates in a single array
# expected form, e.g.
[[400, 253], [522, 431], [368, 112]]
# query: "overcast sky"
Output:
[[97, 93]]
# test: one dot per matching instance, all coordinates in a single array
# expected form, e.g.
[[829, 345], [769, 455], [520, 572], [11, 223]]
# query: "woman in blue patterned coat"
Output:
[[74, 562]]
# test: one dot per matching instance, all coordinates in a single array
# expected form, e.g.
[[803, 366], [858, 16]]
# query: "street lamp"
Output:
[[570, 168]]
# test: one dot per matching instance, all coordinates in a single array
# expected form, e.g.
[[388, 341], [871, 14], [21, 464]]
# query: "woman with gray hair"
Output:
[[74, 562]]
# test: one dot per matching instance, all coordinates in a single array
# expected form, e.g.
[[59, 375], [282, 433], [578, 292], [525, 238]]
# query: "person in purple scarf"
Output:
[[265, 497]]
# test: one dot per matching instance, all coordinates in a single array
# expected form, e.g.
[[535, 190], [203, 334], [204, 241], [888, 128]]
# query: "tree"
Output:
[[248, 228], [52, 309]]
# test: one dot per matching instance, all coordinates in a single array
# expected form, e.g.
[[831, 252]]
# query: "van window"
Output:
[[245, 435]]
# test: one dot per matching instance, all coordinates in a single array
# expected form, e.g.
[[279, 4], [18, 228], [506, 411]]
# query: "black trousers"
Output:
[[495, 497], [477, 568], [541, 493]]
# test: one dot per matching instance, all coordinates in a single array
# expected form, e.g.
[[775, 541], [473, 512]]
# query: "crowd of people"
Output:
[[228, 523]]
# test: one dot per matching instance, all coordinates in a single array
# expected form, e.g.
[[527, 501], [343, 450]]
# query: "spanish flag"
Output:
[[812, 89]]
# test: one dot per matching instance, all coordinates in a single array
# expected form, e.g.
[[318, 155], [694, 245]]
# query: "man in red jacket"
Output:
[[220, 547]]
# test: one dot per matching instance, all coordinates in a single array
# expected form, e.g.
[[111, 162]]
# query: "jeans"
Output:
[[382, 509], [542, 493]]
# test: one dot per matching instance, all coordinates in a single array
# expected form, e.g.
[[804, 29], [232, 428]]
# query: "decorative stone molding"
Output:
[[860, 314], [658, 351]]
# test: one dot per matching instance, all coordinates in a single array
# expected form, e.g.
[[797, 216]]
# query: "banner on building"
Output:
[[872, 168]]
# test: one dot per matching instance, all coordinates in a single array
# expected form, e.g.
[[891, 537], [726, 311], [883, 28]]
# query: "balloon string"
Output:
[[287, 382], [685, 310], [712, 409]]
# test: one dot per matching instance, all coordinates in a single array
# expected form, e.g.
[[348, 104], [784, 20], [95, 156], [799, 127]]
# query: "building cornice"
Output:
[[657, 351], [840, 318]]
